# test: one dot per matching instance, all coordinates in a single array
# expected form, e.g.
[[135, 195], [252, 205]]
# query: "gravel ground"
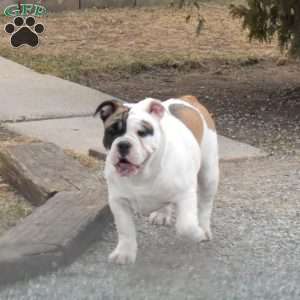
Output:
[[255, 253]]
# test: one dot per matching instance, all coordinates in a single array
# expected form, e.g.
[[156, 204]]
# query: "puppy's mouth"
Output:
[[126, 168]]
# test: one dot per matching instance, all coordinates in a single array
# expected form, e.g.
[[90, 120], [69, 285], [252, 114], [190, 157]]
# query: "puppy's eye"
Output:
[[142, 133], [145, 132]]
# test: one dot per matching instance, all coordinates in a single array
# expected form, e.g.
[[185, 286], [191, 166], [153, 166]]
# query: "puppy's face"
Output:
[[132, 134]]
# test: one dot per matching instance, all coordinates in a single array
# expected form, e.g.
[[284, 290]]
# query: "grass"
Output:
[[85, 160], [12, 207], [133, 40]]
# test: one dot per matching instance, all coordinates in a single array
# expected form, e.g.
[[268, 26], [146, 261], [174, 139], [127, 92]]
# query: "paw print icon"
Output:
[[24, 31]]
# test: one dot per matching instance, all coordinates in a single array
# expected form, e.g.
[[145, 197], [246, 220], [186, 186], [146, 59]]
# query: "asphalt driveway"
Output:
[[255, 253]]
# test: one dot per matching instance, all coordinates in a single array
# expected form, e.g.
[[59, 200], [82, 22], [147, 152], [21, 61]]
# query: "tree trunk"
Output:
[[295, 43]]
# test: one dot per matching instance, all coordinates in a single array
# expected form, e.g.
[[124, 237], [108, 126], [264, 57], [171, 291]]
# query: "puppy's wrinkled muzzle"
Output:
[[126, 168]]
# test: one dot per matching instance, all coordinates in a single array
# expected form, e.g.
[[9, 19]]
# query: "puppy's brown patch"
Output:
[[190, 118], [120, 113], [192, 100], [114, 115]]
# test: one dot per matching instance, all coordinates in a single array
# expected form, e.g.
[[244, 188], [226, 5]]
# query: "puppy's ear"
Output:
[[107, 108], [156, 108]]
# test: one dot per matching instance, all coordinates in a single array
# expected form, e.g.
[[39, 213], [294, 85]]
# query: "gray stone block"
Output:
[[54, 234], [62, 228], [40, 170]]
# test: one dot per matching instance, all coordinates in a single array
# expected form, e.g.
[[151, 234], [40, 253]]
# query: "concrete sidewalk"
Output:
[[82, 134], [59, 111], [27, 95]]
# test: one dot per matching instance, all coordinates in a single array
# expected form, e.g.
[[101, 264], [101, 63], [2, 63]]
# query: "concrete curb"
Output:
[[19, 261], [41, 170], [230, 150], [57, 232]]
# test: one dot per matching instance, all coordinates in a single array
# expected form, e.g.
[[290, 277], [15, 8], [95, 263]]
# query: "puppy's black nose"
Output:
[[123, 148]]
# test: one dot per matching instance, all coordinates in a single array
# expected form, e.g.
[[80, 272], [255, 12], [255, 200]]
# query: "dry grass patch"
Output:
[[13, 207], [18, 140], [10, 138], [85, 160], [134, 39]]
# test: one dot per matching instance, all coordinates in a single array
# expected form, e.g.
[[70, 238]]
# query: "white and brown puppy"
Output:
[[161, 155]]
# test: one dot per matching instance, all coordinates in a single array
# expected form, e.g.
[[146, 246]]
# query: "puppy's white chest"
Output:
[[144, 204]]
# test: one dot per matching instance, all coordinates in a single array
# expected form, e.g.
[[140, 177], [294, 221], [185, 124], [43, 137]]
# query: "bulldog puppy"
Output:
[[162, 157]]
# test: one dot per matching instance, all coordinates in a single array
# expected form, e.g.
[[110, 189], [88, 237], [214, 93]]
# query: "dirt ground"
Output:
[[134, 39], [257, 103]]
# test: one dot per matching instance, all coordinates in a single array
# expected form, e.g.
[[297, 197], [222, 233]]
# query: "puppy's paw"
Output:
[[122, 257], [208, 234], [194, 233], [160, 218], [206, 227]]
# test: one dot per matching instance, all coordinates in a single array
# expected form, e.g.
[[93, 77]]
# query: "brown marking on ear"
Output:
[[190, 118], [120, 113], [192, 100], [106, 108], [116, 110]]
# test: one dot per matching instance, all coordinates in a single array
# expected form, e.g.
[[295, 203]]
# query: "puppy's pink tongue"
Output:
[[125, 169]]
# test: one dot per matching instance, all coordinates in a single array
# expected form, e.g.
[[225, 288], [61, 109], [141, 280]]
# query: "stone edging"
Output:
[[71, 218]]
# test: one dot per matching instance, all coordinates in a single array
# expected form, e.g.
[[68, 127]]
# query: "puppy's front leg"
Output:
[[125, 252], [187, 224]]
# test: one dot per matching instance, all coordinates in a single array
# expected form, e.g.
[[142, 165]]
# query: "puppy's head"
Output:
[[114, 115], [132, 134]]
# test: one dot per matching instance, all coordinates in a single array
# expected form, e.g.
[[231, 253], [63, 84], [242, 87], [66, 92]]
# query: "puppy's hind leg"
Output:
[[187, 224], [163, 216], [208, 179]]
